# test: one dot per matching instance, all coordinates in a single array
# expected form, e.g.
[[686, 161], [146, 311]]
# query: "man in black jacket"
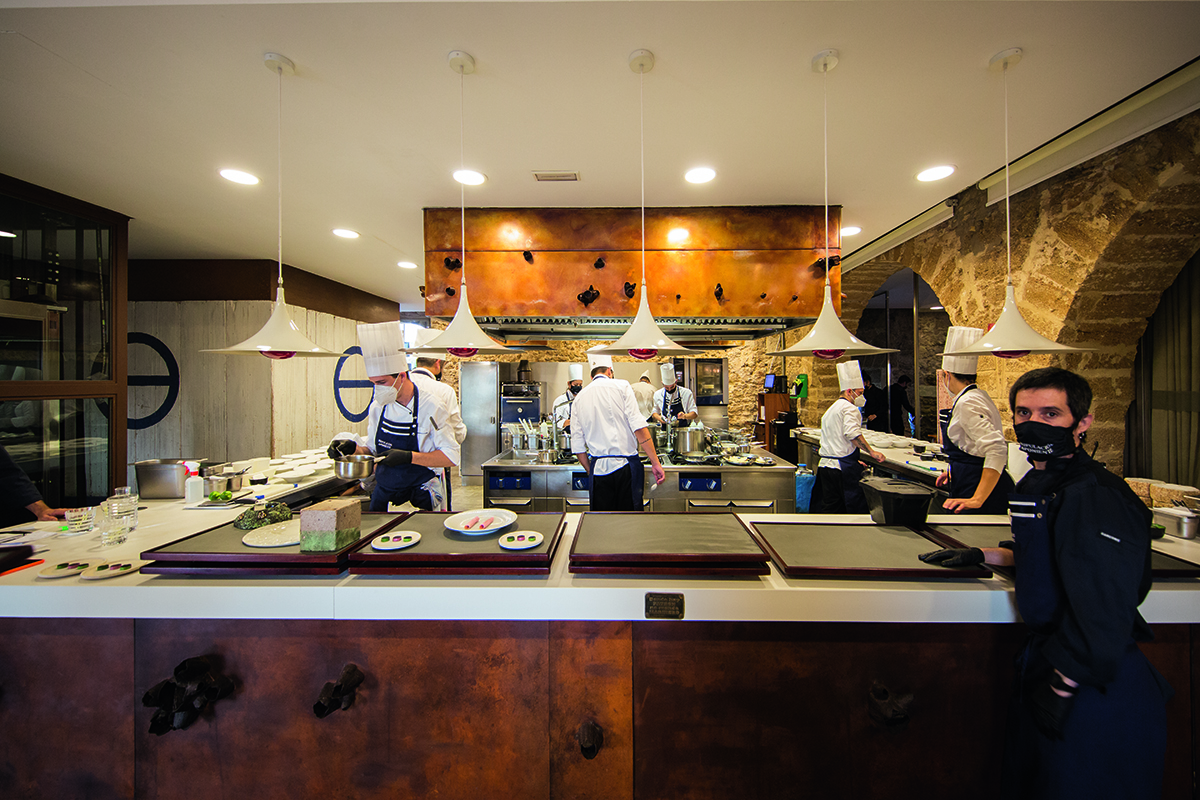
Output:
[[20, 501], [899, 405], [875, 412], [1088, 716]]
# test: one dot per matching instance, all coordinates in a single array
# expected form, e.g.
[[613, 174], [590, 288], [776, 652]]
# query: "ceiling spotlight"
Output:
[[237, 176], [677, 235], [406, 265], [700, 175], [7, 235], [936, 173], [937, 308], [469, 176], [345, 233], [851, 230]]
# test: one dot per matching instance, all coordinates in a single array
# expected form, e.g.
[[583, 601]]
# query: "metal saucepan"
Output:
[[355, 467]]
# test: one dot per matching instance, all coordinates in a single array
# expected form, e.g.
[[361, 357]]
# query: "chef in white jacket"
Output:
[[643, 390], [561, 406], [972, 436], [839, 472], [410, 428], [674, 402], [428, 377]]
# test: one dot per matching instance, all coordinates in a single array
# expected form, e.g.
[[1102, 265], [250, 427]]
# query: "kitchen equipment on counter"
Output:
[[547, 456], [162, 478], [355, 467], [690, 441], [216, 483], [1179, 522], [524, 373], [896, 502]]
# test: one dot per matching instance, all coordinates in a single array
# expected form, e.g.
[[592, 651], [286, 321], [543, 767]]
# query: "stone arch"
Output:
[[1093, 248]]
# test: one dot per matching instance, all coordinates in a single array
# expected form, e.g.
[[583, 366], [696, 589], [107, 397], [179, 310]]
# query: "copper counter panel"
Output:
[[66, 720], [749, 252]]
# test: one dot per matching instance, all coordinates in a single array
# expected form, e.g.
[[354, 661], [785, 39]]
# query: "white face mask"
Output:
[[385, 395], [860, 401]]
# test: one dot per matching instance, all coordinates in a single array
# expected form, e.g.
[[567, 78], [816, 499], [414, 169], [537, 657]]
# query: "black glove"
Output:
[[397, 458], [966, 557], [1049, 708], [340, 448]]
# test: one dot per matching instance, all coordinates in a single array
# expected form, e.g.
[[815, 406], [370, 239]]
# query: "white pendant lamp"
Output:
[[829, 338], [463, 337], [280, 338], [1011, 336], [644, 339]]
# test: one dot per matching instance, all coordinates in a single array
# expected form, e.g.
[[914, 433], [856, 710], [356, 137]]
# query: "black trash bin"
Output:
[[897, 502]]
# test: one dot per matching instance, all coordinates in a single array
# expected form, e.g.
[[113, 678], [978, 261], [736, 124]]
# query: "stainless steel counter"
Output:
[[516, 481]]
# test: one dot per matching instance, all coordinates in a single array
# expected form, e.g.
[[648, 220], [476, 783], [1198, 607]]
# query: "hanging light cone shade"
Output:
[[1011, 337], [279, 338], [463, 337], [829, 338], [645, 339]]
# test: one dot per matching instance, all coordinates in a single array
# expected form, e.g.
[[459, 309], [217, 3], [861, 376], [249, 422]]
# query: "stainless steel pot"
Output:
[[660, 438], [564, 442], [216, 483], [354, 467], [546, 456], [689, 440]]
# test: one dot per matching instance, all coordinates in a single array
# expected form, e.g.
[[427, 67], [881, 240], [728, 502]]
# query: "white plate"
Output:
[[501, 518], [520, 540], [324, 465], [278, 462], [296, 474], [397, 540], [113, 569], [293, 456], [280, 534], [65, 569], [316, 451]]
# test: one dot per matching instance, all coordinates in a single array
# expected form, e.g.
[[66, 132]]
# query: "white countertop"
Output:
[[559, 596]]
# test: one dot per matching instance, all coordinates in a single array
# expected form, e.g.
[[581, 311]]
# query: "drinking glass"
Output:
[[80, 520]]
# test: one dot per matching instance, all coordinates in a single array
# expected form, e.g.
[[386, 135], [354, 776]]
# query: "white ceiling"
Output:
[[136, 107]]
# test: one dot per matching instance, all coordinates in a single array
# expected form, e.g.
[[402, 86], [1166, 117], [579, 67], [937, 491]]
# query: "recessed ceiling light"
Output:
[[851, 230], [469, 176], [936, 173], [406, 265], [345, 233], [700, 175], [7, 235], [677, 235], [237, 176]]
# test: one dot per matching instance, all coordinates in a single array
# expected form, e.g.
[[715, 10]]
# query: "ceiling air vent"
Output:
[[555, 175]]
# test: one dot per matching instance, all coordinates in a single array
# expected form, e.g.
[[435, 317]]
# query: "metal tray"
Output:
[[623, 543], [445, 552], [831, 550]]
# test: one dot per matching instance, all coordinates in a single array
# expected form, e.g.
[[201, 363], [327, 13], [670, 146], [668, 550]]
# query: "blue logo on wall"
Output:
[[339, 384], [170, 380]]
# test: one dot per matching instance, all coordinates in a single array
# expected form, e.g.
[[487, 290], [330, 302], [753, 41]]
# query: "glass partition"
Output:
[[62, 445]]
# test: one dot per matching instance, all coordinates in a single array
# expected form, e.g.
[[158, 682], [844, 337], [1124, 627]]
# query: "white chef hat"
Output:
[[645, 374], [599, 360], [423, 337], [574, 372], [849, 375], [956, 339], [383, 348], [667, 371]]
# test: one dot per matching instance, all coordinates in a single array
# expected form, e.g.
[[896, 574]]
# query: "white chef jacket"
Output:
[[604, 418], [975, 427], [644, 392], [428, 383], [840, 426], [434, 431], [562, 408], [683, 393]]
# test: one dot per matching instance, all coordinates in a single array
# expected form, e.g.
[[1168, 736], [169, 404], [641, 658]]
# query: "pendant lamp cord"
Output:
[[825, 125], [279, 172], [462, 187], [1007, 215], [642, 134]]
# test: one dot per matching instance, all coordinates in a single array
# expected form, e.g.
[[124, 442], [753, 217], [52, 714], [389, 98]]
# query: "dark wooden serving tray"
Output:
[[831, 550], [219, 551], [446, 552], [665, 544]]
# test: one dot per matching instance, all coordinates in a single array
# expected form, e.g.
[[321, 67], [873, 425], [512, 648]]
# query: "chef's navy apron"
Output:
[[637, 478], [1114, 737], [673, 408], [403, 483], [445, 471], [851, 484], [966, 470]]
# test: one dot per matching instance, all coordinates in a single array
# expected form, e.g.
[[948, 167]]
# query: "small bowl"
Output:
[[918, 448]]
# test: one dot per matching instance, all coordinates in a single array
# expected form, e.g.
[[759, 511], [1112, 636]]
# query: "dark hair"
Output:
[[904, 379], [427, 362], [1076, 387], [963, 377], [866, 376], [597, 370]]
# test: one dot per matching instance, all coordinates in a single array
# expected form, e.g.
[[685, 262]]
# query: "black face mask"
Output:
[[575, 389], [1042, 442]]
